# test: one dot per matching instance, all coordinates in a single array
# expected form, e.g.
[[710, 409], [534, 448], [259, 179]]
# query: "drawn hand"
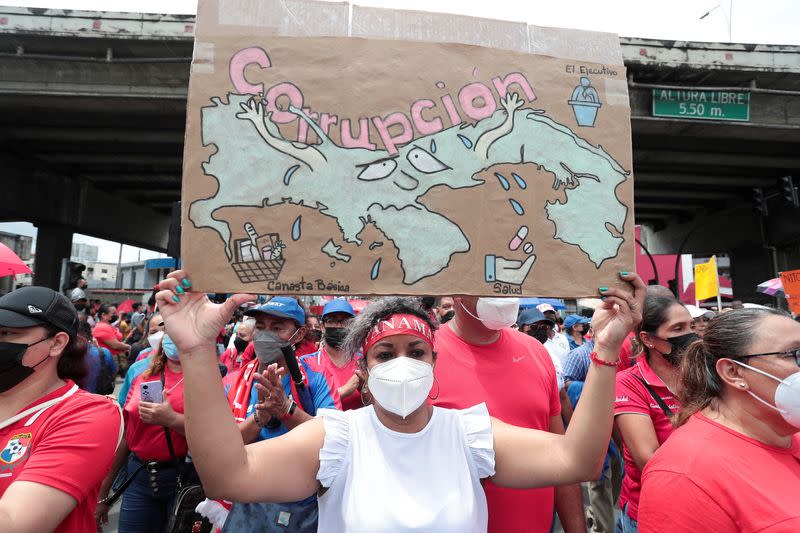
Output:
[[252, 111], [512, 271], [512, 102]]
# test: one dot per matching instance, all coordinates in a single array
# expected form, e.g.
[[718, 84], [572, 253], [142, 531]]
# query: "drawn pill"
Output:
[[528, 248], [503, 181], [296, 230], [517, 207], [516, 242]]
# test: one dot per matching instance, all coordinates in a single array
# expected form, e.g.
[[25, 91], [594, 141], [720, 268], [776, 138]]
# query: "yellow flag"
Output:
[[706, 282]]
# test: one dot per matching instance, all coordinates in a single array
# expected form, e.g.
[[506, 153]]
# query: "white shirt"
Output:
[[557, 354], [380, 480]]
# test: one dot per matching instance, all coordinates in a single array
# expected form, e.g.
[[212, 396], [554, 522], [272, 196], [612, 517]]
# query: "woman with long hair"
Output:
[[733, 464], [149, 428], [399, 464], [57, 442], [645, 399]]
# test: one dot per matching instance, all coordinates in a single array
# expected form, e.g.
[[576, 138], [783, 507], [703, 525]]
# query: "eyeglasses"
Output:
[[788, 353]]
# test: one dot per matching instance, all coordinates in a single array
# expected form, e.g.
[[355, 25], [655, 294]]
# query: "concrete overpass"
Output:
[[92, 112]]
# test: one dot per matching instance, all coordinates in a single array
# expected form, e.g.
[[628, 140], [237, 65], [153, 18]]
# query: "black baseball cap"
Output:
[[38, 306]]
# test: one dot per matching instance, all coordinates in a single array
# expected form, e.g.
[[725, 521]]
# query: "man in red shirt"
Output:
[[481, 359], [347, 379], [110, 337]]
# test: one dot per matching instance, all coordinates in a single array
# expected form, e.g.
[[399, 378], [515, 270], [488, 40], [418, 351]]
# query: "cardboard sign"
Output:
[[791, 287], [340, 165]]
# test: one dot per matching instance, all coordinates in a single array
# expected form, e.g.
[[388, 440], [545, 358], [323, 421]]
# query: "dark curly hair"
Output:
[[378, 310]]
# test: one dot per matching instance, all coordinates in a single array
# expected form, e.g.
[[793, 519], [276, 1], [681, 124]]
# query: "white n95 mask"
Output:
[[787, 395], [401, 385], [496, 313]]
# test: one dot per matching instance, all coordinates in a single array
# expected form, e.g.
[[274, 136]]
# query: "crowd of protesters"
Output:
[[448, 414]]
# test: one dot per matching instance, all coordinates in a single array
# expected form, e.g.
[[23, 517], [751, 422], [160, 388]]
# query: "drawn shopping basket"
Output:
[[249, 263]]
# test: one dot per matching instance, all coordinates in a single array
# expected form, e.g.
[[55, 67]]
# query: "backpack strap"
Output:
[[661, 403]]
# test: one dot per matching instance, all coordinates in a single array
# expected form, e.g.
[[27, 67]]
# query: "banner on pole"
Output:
[[706, 280]]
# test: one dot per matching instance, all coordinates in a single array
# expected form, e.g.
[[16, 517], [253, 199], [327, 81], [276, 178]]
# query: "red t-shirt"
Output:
[[708, 477], [69, 446], [516, 378], [632, 397], [304, 348], [105, 332], [321, 362], [148, 441], [626, 353]]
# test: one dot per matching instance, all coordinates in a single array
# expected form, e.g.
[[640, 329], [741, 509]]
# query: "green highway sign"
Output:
[[710, 105]]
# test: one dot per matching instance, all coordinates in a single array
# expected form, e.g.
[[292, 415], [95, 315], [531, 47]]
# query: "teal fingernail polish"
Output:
[[624, 273], [186, 283], [603, 289], [179, 289], [175, 298]]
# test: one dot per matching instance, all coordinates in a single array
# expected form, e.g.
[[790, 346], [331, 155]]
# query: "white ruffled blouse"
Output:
[[380, 480]]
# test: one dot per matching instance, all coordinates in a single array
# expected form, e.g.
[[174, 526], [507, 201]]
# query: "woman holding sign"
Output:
[[399, 464]]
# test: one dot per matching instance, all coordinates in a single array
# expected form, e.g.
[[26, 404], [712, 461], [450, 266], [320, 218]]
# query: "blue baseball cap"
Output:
[[571, 320], [338, 305], [532, 316], [282, 307]]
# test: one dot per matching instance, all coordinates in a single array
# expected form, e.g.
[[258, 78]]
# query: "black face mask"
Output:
[[334, 337], [80, 307], [240, 344], [678, 345], [12, 371], [114, 318], [314, 335], [448, 316], [540, 334]]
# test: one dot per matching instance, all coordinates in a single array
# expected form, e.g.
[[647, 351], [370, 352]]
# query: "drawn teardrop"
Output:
[[465, 140], [433, 146], [517, 207], [296, 230], [376, 269], [520, 181], [288, 175], [503, 181]]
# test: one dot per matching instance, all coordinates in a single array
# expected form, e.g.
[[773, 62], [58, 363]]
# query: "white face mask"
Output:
[[496, 313], [401, 385], [155, 338], [787, 395]]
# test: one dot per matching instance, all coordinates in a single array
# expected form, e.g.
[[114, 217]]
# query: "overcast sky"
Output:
[[750, 21]]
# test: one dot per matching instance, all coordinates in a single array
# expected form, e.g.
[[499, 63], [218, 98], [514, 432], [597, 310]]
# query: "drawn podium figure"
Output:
[[258, 257], [585, 103]]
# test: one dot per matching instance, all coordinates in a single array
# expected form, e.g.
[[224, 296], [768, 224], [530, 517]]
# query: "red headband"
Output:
[[399, 324]]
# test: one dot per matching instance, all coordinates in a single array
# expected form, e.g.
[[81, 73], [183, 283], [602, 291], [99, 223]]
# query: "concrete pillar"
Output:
[[53, 243]]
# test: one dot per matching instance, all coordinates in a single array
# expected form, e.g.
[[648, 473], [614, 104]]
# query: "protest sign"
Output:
[[791, 288], [342, 165]]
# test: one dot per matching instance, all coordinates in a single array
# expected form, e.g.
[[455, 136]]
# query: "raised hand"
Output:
[[191, 320], [619, 313], [270, 388]]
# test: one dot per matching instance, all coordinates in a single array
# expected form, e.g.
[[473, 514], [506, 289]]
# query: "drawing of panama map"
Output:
[[255, 165]]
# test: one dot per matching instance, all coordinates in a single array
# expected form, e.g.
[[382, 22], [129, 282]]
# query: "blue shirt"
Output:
[[577, 361], [93, 355], [134, 371]]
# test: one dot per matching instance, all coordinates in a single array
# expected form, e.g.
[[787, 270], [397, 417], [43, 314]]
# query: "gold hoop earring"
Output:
[[438, 389]]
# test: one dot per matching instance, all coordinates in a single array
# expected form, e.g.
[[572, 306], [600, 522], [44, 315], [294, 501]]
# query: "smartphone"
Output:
[[152, 391]]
